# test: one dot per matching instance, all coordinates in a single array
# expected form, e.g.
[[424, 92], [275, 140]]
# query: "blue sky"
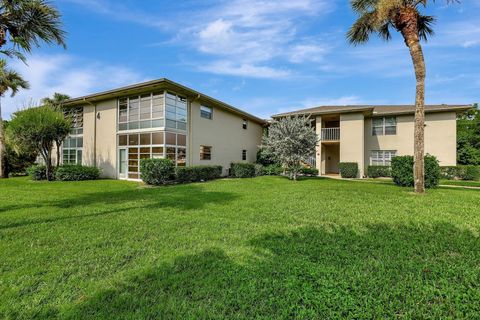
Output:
[[262, 56]]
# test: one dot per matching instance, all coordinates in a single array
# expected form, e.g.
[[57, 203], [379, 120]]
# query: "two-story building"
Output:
[[372, 135], [115, 129]]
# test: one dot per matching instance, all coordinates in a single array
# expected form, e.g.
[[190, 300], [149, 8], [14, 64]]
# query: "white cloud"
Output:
[[244, 70], [48, 74]]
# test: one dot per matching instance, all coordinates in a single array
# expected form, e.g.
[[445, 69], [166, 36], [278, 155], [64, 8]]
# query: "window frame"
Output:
[[245, 124], [383, 127], [384, 157], [244, 155], [203, 153], [203, 112]]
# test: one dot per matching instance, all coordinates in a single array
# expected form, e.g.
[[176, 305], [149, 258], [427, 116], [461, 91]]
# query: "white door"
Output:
[[122, 163]]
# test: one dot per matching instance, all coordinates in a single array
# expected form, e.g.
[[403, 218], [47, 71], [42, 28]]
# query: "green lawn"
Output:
[[252, 248], [461, 183]]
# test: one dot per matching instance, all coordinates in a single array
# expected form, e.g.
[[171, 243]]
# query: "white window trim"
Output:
[[384, 159]]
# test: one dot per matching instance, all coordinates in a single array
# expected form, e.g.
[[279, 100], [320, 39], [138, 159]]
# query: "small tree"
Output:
[[292, 140], [56, 103], [38, 129]]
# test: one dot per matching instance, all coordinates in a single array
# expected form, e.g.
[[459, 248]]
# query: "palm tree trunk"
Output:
[[2, 145], [419, 131]]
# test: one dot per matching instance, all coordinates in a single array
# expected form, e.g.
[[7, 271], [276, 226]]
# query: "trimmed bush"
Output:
[[198, 173], [306, 171], [37, 172], [468, 172], [76, 173], [402, 171], [348, 169], [378, 171], [273, 170], [157, 171], [242, 170], [259, 170], [449, 173]]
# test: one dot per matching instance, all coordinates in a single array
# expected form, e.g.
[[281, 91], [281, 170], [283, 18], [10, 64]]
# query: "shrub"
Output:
[[198, 173], [242, 170], [157, 171], [273, 170], [402, 171], [348, 169], [76, 173], [37, 172], [259, 170], [378, 171], [449, 173], [468, 172], [309, 171], [265, 157]]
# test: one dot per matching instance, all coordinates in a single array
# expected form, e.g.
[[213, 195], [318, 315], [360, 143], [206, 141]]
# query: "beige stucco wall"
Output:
[[319, 149], [88, 136], [352, 139], [440, 137], [224, 133], [106, 135]]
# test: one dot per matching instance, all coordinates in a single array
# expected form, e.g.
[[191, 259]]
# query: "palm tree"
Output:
[[9, 80], [56, 103], [378, 17], [25, 24]]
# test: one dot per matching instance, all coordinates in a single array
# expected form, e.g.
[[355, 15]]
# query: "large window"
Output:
[[141, 112], [176, 112], [205, 153], [384, 126], [152, 145], [206, 112], [72, 147], [382, 157]]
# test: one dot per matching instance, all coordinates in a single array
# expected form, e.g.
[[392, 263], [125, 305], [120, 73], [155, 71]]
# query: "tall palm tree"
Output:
[[9, 80], [378, 17], [24, 24]]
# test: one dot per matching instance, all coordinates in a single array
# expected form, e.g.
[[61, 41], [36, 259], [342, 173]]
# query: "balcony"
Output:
[[330, 134]]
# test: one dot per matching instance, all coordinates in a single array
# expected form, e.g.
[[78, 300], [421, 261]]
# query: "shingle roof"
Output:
[[373, 110]]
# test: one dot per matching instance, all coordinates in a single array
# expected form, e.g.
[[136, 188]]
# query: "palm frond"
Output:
[[362, 28], [425, 24], [362, 6], [384, 31], [11, 80], [12, 53]]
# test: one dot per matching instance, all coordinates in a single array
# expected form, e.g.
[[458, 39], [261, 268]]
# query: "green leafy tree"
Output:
[[24, 24], [292, 140], [468, 137], [9, 80], [17, 160], [379, 17], [56, 103], [37, 129]]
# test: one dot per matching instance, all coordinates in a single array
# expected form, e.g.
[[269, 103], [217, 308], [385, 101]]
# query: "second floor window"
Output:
[[206, 112], [245, 124], [205, 153], [384, 126]]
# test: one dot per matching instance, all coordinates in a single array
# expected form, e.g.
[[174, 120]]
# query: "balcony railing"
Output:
[[330, 134]]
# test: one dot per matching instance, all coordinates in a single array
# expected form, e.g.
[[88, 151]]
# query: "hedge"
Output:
[[348, 169], [379, 171], [37, 172], [461, 172], [198, 173], [309, 171], [273, 170], [259, 169], [157, 171], [76, 173], [242, 170], [402, 171]]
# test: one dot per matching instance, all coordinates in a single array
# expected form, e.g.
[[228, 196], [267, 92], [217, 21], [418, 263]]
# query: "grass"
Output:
[[244, 248], [461, 183]]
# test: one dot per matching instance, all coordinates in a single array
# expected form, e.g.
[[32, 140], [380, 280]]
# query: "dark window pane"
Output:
[[145, 139], [133, 139], [157, 138], [181, 140], [170, 138]]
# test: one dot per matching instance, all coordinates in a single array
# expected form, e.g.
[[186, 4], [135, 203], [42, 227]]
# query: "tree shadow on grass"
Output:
[[185, 198], [310, 273]]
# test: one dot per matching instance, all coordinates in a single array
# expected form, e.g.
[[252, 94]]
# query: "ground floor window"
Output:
[[382, 157], [244, 154], [136, 146], [72, 149], [205, 153]]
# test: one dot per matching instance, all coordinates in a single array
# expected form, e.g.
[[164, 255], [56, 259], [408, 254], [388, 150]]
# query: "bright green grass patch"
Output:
[[237, 248], [460, 183]]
